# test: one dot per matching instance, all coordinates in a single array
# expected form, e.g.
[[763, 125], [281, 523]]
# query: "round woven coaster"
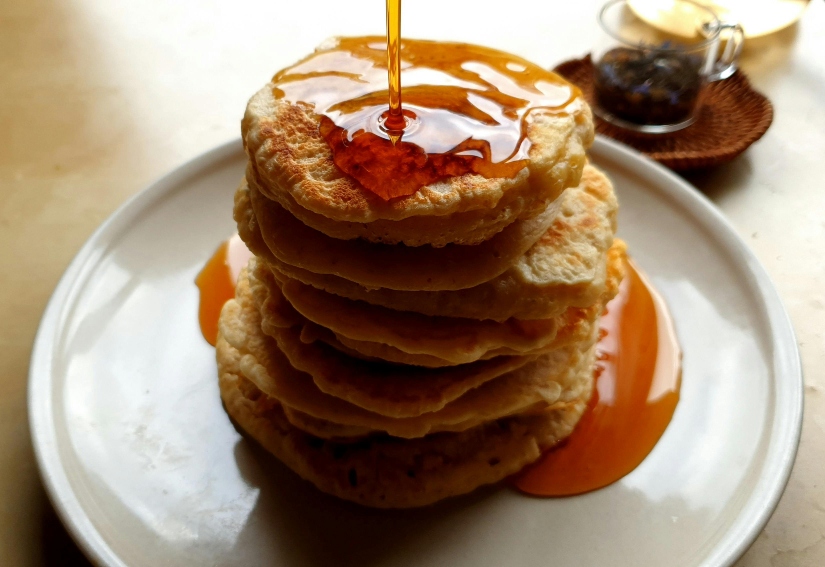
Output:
[[732, 117]]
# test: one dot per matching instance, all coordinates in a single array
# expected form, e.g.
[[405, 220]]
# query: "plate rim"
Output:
[[787, 368]]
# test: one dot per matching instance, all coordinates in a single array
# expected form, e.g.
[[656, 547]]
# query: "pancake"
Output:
[[520, 394], [390, 266], [534, 287], [378, 351], [388, 389], [386, 472], [360, 325], [468, 228], [371, 351], [449, 338], [552, 379], [409, 338], [291, 158], [577, 330]]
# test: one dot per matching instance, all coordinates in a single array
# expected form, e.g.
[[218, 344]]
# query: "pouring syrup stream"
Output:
[[394, 121]]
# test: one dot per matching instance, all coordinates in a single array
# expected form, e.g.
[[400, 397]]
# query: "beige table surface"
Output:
[[100, 97]]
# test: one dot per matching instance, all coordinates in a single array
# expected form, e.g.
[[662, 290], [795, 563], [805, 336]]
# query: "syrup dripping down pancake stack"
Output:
[[421, 312]]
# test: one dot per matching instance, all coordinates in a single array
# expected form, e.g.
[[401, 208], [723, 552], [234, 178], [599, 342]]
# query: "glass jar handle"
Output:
[[725, 66]]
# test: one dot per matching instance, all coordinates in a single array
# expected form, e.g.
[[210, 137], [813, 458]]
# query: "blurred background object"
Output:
[[652, 81], [757, 17]]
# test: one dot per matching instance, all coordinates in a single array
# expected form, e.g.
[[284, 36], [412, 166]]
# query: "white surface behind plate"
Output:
[[146, 468]]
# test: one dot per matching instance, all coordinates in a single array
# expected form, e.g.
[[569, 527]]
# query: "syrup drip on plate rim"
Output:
[[466, 108]]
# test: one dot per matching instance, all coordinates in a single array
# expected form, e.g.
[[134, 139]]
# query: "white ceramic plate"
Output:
[[145, 468]]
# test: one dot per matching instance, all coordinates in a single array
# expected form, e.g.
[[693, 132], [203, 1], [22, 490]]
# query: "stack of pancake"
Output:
[[398, 352]]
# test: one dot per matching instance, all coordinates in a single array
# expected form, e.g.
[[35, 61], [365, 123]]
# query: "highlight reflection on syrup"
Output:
[[637, 388], [216, 283]]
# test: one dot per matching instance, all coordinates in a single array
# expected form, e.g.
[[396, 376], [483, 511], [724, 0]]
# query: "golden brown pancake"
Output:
[[540, 284], [412, 338], [388, 389], [294, 165], [519, 394], [449, 338], [387, 472], [395, 267], [551, 379], [468, 228]]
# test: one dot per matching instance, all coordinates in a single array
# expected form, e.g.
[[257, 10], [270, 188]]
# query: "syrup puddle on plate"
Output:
[[638, 376], [216, 284]]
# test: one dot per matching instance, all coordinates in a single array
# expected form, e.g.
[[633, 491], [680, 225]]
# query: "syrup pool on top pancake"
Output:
[[489, 129], [465, 107]]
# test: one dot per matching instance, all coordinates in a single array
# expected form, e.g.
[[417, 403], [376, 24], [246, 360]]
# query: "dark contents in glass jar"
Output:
[[647, 86]]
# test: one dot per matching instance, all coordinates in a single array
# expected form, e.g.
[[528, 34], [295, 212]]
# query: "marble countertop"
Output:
[[99, 98]]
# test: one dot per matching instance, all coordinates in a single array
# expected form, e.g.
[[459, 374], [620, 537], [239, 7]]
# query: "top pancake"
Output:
[[294, 165]]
